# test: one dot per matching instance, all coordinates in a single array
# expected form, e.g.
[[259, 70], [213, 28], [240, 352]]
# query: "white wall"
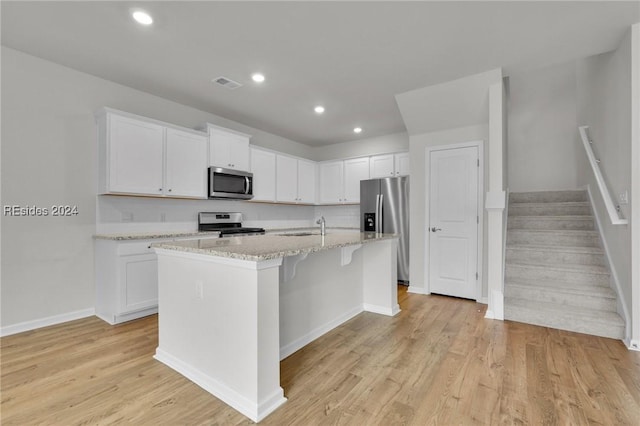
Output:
[[543, 144], [604, 104], [418, 203], [49, 157]]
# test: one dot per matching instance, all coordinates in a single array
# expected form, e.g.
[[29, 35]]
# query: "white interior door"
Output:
[[453, 222]]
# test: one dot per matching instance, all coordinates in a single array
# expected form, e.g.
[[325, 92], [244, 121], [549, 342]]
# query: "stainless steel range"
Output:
[[228, 224]]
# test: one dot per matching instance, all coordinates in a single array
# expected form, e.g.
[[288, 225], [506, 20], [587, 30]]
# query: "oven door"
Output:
[[227, 183]]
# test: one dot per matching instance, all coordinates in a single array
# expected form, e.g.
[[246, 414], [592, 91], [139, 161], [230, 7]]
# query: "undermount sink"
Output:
[[298, 234]]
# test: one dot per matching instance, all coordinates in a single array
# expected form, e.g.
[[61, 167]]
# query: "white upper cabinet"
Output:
[[307, 181], [186, 168], [340, 180], [133, 155], [286, 179], [140, 156], [381, 166], [296, 180], [355, 170], [263, 167], [402, 164], [331, 182], [389, 165], [227, 148]]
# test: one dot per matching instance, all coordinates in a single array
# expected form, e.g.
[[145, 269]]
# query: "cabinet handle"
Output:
[[169, 189], [160, 189]]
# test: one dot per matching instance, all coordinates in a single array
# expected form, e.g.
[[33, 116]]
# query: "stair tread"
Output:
[[553, 282], [550, 203], [557, 231], [556, 249], [553, 217], [585, 314], [563, 267], [567, 288]]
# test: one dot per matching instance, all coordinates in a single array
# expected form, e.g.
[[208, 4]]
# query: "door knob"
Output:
[[434, 229]]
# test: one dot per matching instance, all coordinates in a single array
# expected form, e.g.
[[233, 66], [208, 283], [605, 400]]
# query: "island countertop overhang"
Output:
[[266, 247]]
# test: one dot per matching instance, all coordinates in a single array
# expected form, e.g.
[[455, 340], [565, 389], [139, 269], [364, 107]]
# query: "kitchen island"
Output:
[[230, 309]]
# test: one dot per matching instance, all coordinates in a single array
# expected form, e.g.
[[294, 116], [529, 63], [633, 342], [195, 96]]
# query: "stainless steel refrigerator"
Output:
[[384, 207]]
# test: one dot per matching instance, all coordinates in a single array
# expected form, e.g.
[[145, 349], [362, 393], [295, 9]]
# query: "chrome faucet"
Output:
[[322, 225]]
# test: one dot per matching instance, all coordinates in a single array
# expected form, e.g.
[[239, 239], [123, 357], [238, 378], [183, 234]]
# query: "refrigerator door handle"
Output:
[[377, 224], [380, 230]]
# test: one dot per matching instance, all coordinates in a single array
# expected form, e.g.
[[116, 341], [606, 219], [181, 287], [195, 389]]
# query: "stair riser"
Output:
[[562, 322], [601, 303], [554, 258], [523, 237], [550, 210], [517, 222], [514, 272], [547, 197]]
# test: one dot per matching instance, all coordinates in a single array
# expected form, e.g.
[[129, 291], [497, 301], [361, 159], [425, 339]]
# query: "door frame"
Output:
[[427, 213]]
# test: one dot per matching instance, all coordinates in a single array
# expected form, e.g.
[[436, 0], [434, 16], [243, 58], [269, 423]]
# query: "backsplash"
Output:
[[117, 214]]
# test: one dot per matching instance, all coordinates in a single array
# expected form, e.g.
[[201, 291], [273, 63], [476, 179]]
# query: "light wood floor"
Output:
[[439, 362]]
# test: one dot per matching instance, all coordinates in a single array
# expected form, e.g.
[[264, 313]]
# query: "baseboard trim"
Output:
[[417, 290], [382, 310], [302, 341], [254, 411], [46, 322], [633, 345]]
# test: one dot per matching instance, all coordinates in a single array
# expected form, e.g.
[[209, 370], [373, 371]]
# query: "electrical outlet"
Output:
[[623, 197], [127, 217], [199, 290], [163, 217]]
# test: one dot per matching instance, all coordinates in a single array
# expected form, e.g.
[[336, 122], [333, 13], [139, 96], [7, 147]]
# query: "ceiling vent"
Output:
[[226, 82]]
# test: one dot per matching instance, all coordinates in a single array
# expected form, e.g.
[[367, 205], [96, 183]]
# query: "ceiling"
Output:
[[351, 57]]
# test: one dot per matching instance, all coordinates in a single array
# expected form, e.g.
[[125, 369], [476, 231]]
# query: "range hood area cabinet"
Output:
[[228, 149], [141, 156]]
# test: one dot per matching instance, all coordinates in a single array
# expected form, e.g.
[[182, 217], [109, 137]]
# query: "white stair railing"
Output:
[[612, 209]]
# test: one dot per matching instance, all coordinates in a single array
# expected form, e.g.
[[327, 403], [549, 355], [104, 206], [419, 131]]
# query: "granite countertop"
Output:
[[153, 235], [270, 246]]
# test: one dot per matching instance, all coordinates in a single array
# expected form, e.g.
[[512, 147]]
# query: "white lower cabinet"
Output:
[[126, 280]]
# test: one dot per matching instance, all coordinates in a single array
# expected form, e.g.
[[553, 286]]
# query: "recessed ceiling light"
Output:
[[319, 109], [142, 17], [357, 130], [257, 77]]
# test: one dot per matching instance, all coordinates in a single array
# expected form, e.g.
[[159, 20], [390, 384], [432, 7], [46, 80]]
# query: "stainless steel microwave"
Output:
[[229, 183]]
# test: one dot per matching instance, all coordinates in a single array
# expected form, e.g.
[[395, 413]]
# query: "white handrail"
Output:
[[606, 196]]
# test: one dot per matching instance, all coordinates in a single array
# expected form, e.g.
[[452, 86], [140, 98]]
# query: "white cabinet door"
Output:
[[331, 182], [402, 164], [381, 166], [228, 149], [286, 179], [139, 282], [186, 169], [135, 156], [307, 171], [263, 167], [355, 170]]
